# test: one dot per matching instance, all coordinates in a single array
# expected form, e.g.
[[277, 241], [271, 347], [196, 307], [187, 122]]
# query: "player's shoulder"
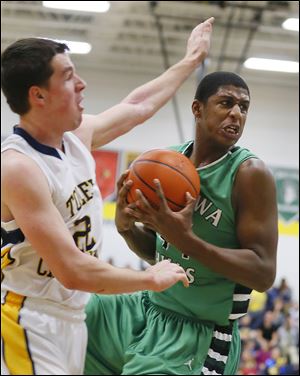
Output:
[[17, 167], [15, 160], [254, 166], [254, 170]]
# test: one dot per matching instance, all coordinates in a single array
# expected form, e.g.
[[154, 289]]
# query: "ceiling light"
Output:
[[272, 65], [85, 6], [75, 47], [291, 24]]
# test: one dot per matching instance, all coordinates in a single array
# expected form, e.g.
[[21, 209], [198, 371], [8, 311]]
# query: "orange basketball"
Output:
[[176, 173]]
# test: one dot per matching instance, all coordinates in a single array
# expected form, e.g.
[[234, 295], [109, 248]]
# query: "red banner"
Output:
[[106, 172]]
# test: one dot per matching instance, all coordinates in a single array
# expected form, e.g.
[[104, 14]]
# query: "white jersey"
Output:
[[72, 181]]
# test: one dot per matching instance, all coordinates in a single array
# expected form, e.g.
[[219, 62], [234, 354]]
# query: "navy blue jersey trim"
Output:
[[11, 237], [44, 149]]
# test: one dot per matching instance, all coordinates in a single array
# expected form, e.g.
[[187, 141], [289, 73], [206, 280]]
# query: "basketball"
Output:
[[176, 173]]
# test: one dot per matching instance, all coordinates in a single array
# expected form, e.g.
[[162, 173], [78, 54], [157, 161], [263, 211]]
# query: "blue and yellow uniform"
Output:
[[40, 317]]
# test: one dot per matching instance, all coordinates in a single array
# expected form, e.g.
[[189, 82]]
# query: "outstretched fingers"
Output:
[[181, 275], [169, 273], [210, 20], [160, 193], [183, 278], [142, 203], [190, 203], [122, 179], [124, 186], [205, 25]]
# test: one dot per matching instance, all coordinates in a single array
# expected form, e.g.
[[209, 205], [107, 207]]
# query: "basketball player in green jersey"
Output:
[[225, 240]]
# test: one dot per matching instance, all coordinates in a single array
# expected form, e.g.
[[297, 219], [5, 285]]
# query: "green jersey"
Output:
[[210, 296]]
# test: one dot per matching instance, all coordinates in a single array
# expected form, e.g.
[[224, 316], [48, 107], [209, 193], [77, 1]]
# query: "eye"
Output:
[[244, 107], [226, 102]]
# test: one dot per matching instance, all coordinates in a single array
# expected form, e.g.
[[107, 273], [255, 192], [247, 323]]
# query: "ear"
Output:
[[35, 95], [197, 108]]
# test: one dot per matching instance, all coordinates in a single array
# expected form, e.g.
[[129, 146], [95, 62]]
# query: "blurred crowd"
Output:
[[270, 333]]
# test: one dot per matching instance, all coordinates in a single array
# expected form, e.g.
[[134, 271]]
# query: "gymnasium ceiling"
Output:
[[126, 38]]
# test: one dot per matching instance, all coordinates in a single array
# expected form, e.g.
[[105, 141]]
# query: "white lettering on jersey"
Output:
[[205, 206], [200, 205], [216, 216], [190, 274]]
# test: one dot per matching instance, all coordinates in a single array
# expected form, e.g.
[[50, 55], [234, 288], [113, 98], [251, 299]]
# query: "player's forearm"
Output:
[[141, 242], [154, 94], [96, 276], [243, 266]]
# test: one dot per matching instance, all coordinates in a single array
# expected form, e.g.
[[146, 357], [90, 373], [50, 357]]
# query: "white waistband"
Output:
[[52, 308]]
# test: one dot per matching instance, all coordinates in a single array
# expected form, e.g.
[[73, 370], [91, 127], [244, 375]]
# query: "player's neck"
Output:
[[41, 133], [205, 154]]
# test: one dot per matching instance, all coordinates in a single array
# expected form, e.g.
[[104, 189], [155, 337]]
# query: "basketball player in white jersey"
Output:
[[51, 206]]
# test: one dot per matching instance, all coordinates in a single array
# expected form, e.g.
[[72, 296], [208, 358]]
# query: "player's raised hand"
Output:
[[165, 274], [199, 41]]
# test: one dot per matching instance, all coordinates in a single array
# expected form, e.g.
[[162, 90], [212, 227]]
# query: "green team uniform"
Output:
[[180, 331]]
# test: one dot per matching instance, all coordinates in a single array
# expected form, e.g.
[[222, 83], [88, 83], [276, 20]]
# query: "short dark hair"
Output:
[[25, 63], [210, 84]]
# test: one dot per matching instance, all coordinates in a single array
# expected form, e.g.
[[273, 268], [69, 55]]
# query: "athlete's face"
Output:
[[222, 118], [64, 93]]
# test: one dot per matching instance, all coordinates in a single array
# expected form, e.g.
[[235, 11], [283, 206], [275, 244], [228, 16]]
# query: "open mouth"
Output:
[[80, 105], [232, 130]]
